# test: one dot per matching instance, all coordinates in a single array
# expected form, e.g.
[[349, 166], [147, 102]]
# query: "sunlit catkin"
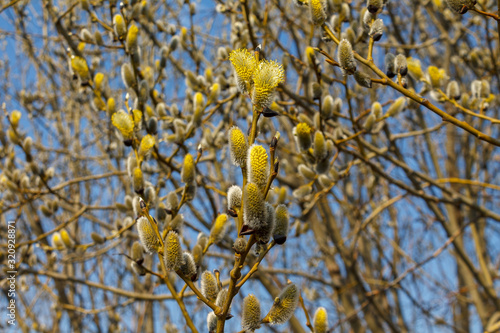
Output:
[[147, 142], [188, 171], [254, 209], [320, 320], [250, 317], [284, 306], [453, 90], [302, 133], [238, 146], [244, 64], [138, 180], [396, 107], [132, 37], [209, 287], [79, 66], [234, 197], [327, 107], [124, 123], [218, 229], [172, 252], [317, 9], [257, 165], [120, 26], [147, 235], [57, 241], [280, 231], [267, 77], [345, 57]]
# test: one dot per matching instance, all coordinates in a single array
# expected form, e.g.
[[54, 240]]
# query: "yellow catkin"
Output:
[[66, 238], [120, 26], [138, 180], [57, 241], [244, 64], [15, 116], [257, 166], [302, 134], [250, 317], [266, 79], [147, 235], [218, 229], [320, 151], [320, 321], [415, 68], [124, 123], [188, 171], [147, 142], [172, 252], [284, 306], [79, 66], [132, 37], [280, 231], [436, 76], [238, 146], [318, 11]]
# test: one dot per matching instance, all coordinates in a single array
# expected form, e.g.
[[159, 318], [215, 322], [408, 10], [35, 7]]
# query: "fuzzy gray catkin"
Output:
[[280, 231], [147, 235], [209, 287], [250, 317], [188, 266], [345, 57], [234, 197]]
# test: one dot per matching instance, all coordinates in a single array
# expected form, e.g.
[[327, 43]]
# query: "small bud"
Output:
[[238, 146], [320, 321], [98, 37], [257, 165], [174, 43], [345, 57], [302, 133], [363, 79], [219, 229], [316, 90], [188, 171], [250, 317], [120, 26], [172, 252], [234, 197], [86, 36], [209, 287], [147, 235], [254, 208], [325, 181], [98, 239], [139, 270], [240, 244], [284, 306], [280, 231]]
